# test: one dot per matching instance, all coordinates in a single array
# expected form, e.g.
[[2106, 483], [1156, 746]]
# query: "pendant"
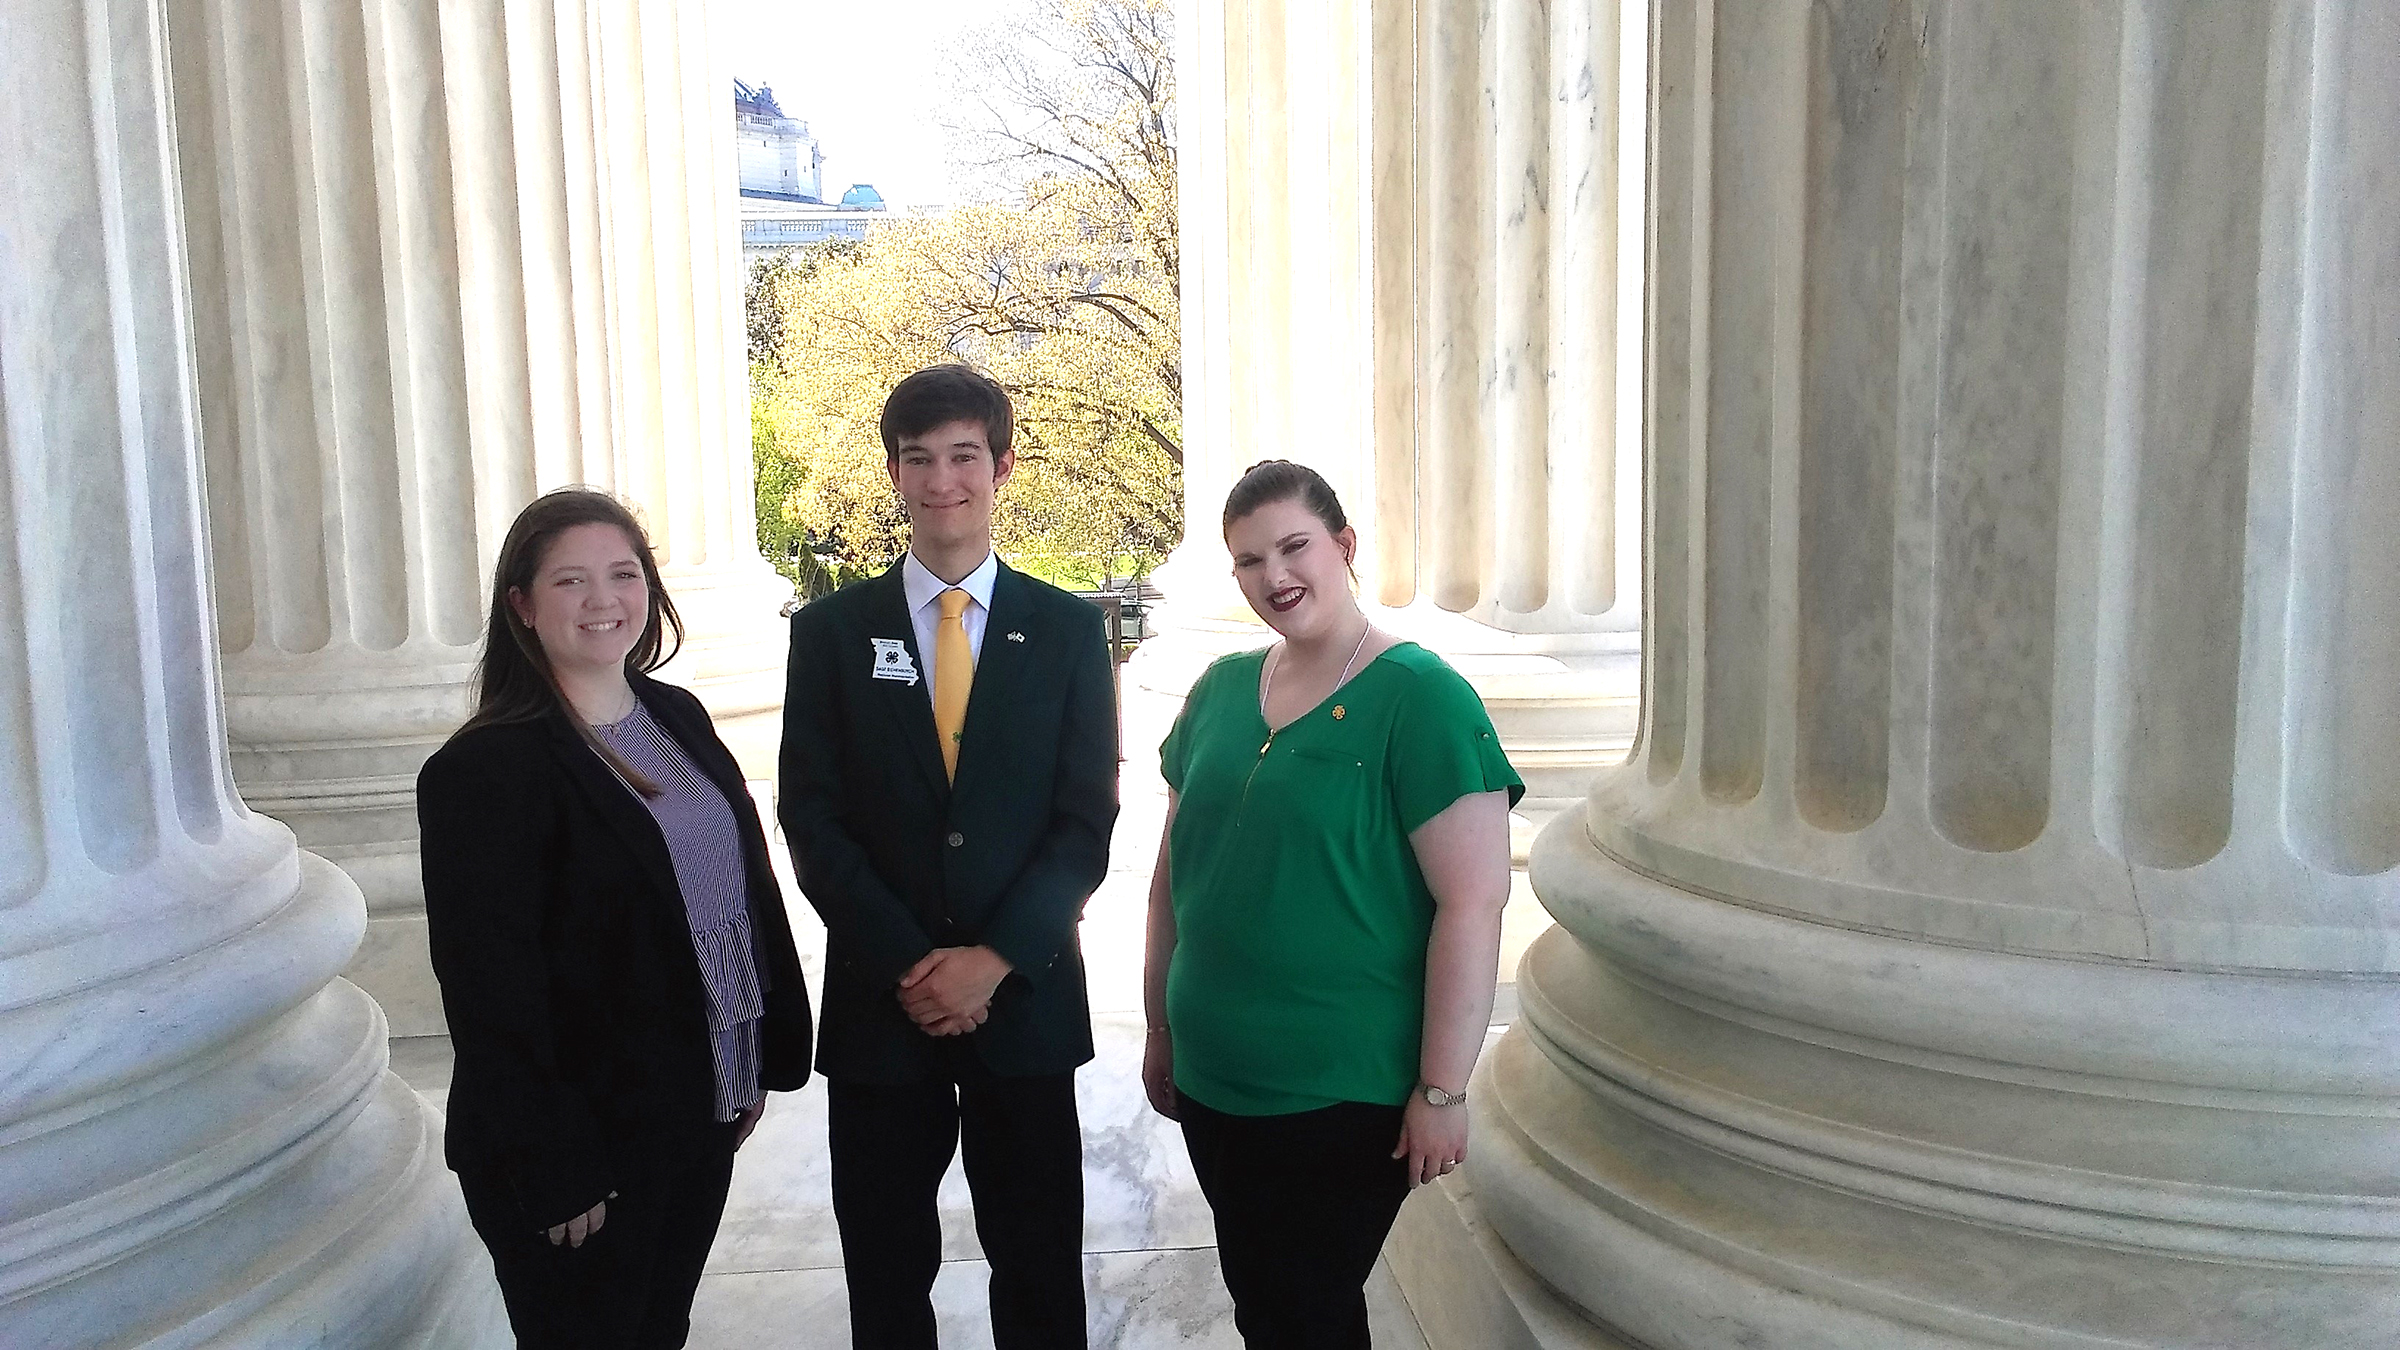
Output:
[[1338, 712]]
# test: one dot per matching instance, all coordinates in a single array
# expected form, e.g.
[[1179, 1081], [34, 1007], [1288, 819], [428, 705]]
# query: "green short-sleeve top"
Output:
[[1301, 918]]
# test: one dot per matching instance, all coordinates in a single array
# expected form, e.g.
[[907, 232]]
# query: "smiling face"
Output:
[[947, 480], [1294, 572], [589, 601]]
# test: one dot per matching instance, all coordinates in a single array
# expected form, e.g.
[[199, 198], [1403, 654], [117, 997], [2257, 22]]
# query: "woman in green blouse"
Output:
[[1324, 929]]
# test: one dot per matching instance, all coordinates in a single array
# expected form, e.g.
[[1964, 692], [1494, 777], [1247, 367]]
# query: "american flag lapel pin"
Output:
[[1015, 636]]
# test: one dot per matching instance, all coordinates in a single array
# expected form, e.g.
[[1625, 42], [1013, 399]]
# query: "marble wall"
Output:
[[444, 258], [200, 1142], [1986, 943]]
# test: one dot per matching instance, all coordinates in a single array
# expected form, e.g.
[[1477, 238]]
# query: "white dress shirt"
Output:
[[925, 615]]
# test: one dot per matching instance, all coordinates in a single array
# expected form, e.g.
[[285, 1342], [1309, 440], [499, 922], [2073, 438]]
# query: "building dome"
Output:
[[863, 197]]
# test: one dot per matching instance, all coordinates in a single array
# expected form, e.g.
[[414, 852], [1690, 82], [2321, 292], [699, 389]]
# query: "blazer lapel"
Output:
[[614, 798], [909, 704], [1001, 667]]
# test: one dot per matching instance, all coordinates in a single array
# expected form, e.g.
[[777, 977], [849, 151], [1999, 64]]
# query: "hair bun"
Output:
[[1281, 480]]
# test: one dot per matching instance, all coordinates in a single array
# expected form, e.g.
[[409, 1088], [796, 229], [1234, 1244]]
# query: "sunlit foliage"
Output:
[[1065, 288]]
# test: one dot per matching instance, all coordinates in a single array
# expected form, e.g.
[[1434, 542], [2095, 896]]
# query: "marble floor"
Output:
[[775, 1276], [1150, 1268]]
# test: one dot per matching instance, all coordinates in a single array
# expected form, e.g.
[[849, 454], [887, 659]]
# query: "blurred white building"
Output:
[[781, 182], [778, 160]]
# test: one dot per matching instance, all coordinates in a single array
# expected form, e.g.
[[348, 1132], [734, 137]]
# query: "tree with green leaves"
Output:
[[1066, 290]]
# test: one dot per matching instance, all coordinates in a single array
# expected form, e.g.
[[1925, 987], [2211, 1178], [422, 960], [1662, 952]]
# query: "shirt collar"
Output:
[[923, 585]]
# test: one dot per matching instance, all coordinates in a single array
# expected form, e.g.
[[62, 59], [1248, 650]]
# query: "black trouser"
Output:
[[1302, 1204], [1024, 1156], [629, 1286]]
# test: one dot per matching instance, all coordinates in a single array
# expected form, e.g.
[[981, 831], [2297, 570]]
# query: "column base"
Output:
[[1468, 1290], [362, 1243], [1713, 1127], [736, 648], [1182, 644], [249, 1173], [370, 832], [330, 745], [1565, 704], [394, 966]]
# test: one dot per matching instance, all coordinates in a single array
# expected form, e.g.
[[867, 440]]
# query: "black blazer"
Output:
[[565, 958], [900, 861]]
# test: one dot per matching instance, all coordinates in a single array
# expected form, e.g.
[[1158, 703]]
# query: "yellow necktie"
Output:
[[953, 676]]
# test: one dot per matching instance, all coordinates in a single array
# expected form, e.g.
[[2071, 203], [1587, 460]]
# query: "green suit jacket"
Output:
[[899, 861]]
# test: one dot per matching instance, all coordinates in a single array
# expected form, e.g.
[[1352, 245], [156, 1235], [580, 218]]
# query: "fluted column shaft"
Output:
[[1402, 216], [1405, 222], [1498, 260], [1986, 944], [2010, 461], [446, 257], [1500, 473], [199, 1140], [1277, 329]]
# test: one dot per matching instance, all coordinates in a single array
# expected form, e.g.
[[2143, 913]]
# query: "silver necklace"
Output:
[[632, 701], [1275, 663]]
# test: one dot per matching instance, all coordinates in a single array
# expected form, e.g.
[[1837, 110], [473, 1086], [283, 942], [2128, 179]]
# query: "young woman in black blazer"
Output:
[[615, 963]]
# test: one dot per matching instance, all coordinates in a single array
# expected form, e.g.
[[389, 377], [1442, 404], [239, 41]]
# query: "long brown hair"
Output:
[[513, 679]]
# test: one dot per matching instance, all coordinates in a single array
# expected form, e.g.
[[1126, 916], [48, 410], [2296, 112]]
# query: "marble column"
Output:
[[1499, 483], [1995, 938], [200, 1142], [446, 257], [1277, 336], [1401, 220]]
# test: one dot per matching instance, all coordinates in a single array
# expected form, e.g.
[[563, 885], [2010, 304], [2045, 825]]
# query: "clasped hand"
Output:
[[949, 992]]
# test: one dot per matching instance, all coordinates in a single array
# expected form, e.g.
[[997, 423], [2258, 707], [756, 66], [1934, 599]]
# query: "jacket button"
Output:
[[956, 839]]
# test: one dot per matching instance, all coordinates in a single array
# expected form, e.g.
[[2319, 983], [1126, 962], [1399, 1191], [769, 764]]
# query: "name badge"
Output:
[[892, 661]]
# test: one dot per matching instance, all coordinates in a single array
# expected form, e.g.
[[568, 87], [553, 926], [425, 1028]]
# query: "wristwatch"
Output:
[[1434, 1096]]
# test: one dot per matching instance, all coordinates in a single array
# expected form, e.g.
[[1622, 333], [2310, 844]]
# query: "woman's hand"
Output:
[[1432, 1138], [1158, 951], [582, 1226], [1158, 1072], [747, 1121]]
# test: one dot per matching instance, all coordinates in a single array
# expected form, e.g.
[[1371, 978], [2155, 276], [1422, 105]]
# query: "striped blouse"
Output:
[[705, 843]]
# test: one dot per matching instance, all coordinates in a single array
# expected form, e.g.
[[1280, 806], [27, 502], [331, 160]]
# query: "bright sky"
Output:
[[866, 77]]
